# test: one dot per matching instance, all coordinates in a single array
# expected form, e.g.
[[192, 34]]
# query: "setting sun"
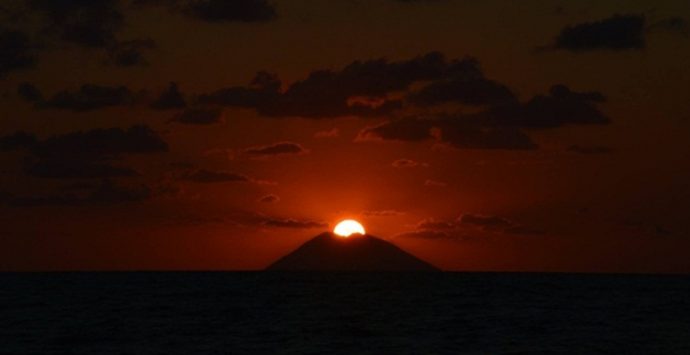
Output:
[[348, 227]]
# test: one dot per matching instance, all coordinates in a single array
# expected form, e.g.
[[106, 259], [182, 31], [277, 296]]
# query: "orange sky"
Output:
[[602, 196]]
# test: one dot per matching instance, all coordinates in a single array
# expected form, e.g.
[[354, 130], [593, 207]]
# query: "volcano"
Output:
[[328, 252]]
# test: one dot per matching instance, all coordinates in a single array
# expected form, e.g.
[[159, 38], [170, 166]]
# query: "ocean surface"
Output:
[[342, 313]]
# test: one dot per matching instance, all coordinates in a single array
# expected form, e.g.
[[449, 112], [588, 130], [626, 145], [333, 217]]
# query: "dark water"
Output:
[[317, 313]]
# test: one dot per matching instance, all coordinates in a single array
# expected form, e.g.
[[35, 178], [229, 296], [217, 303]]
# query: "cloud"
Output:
[[589, 150], [86, 23], [430, 235], [199, 116], [467, 225], [217, 11], [16, 52], [106, 193], [76, 169], [331, 133], [29, 92], [484, 221], [461, 132], [280, 148], [87, 98], [560, 107], [129, 53], [618, 32], [269, 199], [89, 154], [293, 223], [102, 143], [436, 224], [464, 84], [329, 93], [208, 176], [498, 126], [171, 98], [17, 140], [673, 24], [407, 163], [407, 129], [434, 183]]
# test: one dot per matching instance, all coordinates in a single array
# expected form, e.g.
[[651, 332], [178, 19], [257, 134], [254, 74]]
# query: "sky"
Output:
[[221, 135]]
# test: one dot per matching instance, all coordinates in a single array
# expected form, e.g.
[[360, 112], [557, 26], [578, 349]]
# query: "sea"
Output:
[[343, 313]]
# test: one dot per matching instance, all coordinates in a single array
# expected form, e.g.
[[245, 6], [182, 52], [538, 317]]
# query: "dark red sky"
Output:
[[493, 135]]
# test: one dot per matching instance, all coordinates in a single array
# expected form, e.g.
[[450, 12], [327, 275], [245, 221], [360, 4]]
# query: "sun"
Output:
[[348, 227]]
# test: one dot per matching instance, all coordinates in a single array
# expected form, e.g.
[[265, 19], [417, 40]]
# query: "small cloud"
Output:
[[208, 176], [430, 235], [436, 224], [16, 52], [281, 148], [383, 213], [87, 98], [618, 32], [129, 53], [484, 221], [589, 150], [269, 199], [199, 116], [171, 98], [293, 223], [674, 24], [331, 133], [434, 183], [407, 163]]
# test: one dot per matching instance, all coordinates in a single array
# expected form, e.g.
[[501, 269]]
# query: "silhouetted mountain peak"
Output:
[[328, 252]]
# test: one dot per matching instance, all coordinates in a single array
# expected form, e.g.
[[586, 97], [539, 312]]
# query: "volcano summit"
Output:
[[328, 252]]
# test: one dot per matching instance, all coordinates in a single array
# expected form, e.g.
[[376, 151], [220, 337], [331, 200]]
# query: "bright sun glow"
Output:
[[348, 227]]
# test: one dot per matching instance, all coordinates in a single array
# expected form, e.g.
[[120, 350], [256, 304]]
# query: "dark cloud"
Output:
[[269, 199], [262, 91], [18, 140], [430, 235], [436, 224], [29, 92], [280, 148], [484, 221], [86, 23], [129, 53], [16, 52], [66, 168], [89, 97], [674, 24], [293, 223], [231, 11], [329, 93], [467, 225], [208, 176], [498, 126], [465, 84], [171, 98], [108, 143], [589, 150], [461, 132], [618, 32], [408, 129], [107, 193], [199, 116], [89, 154], [219, 10], [560, 107]]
